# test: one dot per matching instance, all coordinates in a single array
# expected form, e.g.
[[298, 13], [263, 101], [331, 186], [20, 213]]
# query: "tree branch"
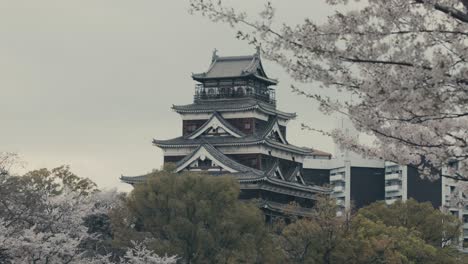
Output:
[[457, 14]]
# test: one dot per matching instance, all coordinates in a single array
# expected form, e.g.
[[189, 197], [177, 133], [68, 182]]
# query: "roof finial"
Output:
[[258, 48], [215, 55]]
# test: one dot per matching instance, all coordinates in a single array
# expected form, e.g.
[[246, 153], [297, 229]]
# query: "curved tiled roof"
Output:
[[134, 179], [255, 139], [232, 105], [222, 121], [292, 188], [271, 171], [229, 141], [269, 127], [281, 208], [220, 157], [291, 175], [244, 173], [234, 67]]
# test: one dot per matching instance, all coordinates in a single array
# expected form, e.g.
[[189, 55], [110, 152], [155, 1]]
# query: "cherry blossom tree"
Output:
[[405, 62], [42, 219], [138, 254], [7, 161]]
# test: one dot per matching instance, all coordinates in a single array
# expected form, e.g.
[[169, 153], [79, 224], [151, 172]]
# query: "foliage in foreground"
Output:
[[399, 233], [197, 217], [43, 219]]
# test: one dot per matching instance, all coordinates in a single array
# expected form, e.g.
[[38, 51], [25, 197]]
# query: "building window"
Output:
[[453, 165], [247, 126], [253, 162], [191, 128], [452, 189], [204, 163], [465, 218]]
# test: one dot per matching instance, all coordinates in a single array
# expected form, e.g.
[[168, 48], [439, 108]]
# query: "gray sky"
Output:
[[89, 83]]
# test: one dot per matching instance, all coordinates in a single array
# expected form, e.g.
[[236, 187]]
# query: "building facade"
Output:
[[454, 201], [355, 182], [404, 182], [233, 127]]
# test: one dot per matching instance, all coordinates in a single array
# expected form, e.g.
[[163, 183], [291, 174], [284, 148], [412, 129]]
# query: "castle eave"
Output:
[[232, 105]]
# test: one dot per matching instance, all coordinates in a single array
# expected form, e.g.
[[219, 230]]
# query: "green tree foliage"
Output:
[[197, 217], [370, 242], [372, 235], [433, 226], [21, 197], [58, 179], [314, 239]]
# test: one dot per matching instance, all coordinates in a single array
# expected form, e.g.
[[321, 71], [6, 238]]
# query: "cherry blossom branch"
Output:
[[457, 14]]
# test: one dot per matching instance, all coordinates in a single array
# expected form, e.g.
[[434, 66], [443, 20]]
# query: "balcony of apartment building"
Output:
[[393, 176], [449, 192], [464, 248], [338, 188], [392, 199], [465, 219], [339, 195], [465, 233], [389, 169], [338, 176], [392, 187], [340, 202]]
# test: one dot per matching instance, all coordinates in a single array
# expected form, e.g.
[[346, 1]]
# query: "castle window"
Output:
[[191, 128], [247, 125], [253, 162], [204, 163], [240, 91]]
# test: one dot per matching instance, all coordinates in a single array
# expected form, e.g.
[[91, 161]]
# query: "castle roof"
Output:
[[248, 177], [217, 119], [235, 67], [220, 158], [254, 139], [232, 105]]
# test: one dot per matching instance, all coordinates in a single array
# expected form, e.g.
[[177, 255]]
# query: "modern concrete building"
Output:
[[454, 201], [404, 182], [355, 182]]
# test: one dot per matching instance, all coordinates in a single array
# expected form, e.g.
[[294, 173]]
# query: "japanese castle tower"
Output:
[[233, 127]]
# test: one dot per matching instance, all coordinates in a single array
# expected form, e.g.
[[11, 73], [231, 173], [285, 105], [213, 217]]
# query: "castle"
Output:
[[233, 127]]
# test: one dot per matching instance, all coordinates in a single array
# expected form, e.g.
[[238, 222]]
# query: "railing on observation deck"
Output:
[[241, 91]]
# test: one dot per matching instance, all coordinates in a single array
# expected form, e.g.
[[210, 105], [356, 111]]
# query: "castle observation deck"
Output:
[[235, 77]]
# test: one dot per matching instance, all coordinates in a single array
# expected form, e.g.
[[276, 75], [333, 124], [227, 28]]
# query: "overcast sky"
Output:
[[90, 83]]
